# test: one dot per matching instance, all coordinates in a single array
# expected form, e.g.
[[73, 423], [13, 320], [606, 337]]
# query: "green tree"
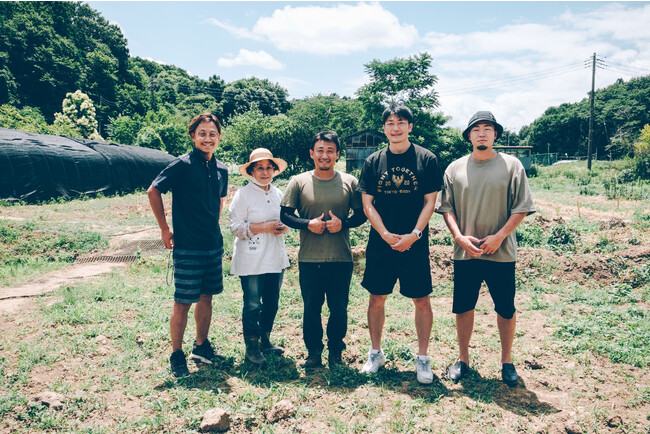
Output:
[[126, 128], [148, 137], [174, 136], [327, 112], [410, 82], [642, 154], [621, 110], [282, 135], [239, 96], [197, 104], [53, 48], [79, 114], [27, 119]]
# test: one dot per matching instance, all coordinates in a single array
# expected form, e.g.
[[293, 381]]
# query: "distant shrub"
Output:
[[533, 172], [149, 138], [588, 190]]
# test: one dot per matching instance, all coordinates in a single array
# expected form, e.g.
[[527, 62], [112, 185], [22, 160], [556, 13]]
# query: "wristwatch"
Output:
[[418, 233]]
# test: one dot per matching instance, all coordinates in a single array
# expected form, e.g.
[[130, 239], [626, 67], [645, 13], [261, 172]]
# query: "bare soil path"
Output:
[[122, 250]]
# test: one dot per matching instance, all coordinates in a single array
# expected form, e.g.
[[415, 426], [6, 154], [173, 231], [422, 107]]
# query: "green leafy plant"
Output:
[[563, 237]]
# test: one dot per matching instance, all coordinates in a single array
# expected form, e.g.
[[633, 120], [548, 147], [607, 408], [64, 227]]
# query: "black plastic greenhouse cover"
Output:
[[39, 167]]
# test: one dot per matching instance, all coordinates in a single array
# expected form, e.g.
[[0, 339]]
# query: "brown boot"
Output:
[[267, 347], [253, 353]]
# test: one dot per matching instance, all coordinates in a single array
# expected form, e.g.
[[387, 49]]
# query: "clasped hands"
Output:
[[275, 227], [318, 225], [476, 248], [401, 243]]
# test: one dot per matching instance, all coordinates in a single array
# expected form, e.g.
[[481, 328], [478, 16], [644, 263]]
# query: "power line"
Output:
[[625, 70], [510, 81]]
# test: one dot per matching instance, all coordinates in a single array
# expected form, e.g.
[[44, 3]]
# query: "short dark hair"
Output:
[[207, 117], [252, 166], [399, 110], [327, 136]]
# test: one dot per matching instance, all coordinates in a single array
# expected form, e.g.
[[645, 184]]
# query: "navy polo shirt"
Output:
[[197, 186]]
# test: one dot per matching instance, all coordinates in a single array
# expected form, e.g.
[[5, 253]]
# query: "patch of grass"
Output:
[[30, 248], [642, 219], [530, 235], [621, 334]]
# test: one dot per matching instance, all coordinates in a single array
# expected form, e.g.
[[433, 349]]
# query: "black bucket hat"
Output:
[[482, 116]]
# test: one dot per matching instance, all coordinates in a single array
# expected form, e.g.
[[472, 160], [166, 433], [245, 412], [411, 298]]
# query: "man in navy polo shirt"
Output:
[[199, 184]]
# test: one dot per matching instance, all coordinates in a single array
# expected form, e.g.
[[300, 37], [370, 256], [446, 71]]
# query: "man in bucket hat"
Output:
[[323, 198], [485, 197]]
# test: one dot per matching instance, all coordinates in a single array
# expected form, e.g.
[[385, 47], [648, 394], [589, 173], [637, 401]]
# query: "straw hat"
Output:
[[260, 154]]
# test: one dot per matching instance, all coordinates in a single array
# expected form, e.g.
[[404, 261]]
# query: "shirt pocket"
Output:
[[254, 245]]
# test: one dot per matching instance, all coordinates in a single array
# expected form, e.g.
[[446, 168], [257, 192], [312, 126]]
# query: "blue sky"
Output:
[[513, 58]]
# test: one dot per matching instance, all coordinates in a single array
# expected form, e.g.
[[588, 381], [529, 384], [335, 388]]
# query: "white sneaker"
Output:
[[375, 361], [423, 369]]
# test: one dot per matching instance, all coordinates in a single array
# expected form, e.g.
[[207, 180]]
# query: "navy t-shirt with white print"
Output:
[[398, 183]]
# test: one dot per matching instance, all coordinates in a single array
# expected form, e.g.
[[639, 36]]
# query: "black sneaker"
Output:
[[178, 364], [204, 353], [509, 374], [457, 371]]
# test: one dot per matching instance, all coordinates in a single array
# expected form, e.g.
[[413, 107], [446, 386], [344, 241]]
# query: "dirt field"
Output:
[[557, 394]]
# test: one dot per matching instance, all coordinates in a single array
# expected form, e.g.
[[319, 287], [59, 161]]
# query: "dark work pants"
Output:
[[261, 295], [320, 280]]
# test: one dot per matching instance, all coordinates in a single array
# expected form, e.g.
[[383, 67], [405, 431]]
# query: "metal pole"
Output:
[[591, 111]]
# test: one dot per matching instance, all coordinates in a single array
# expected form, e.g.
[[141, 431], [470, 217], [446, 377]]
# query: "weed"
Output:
[[537, 303], [530, 235], [444, 239], [588, 191], [640, 276], [563, 238]]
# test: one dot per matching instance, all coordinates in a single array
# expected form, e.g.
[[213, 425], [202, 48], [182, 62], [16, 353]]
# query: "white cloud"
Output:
[[519, 70], [339, 29], [621, 22], [160, 62], [239, 32], [261, 59]]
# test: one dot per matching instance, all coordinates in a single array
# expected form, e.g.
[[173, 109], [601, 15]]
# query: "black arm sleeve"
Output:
[[288, 217], [357, 218]]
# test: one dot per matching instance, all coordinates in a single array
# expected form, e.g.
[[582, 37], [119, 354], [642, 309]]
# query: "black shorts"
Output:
[[197, 272], [384, 266], [499, 278]]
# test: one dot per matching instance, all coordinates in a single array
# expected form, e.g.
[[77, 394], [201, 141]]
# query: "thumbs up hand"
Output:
[[334, 224], [317, 225]]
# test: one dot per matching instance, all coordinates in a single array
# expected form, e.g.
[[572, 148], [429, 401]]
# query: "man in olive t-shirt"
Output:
[[485, 197], [323, 198]]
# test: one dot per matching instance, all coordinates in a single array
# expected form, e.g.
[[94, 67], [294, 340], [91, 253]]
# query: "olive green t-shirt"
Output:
[[482, 195], [312, 197]]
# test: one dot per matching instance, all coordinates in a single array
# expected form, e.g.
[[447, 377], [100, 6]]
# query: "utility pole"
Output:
[[591, 111]]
